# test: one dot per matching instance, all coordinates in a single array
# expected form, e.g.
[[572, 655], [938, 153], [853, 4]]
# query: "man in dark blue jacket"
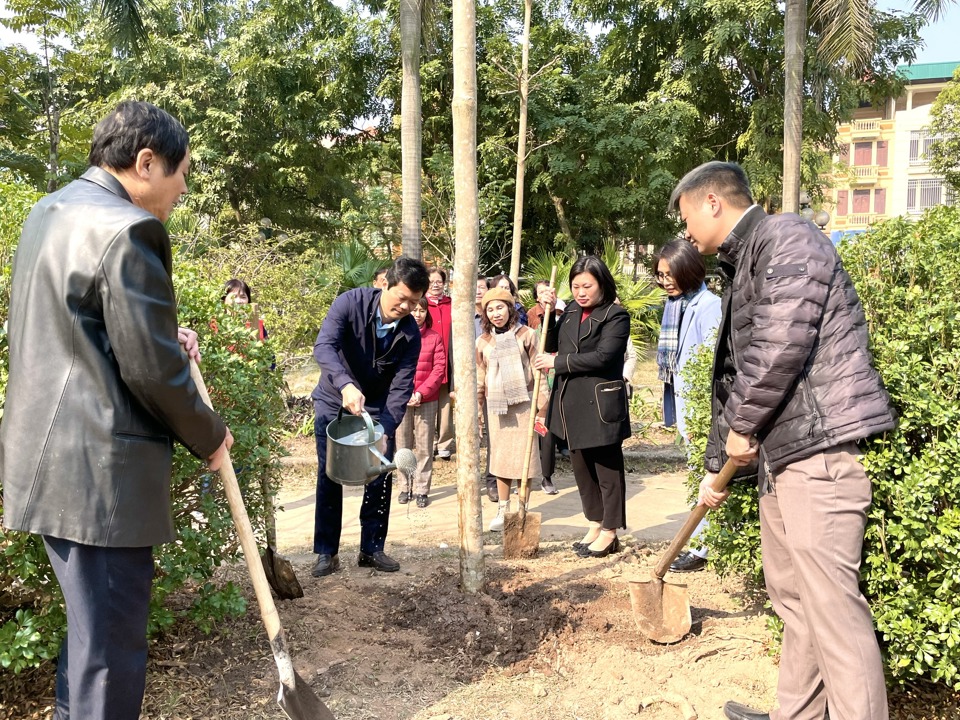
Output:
[[367, 351]]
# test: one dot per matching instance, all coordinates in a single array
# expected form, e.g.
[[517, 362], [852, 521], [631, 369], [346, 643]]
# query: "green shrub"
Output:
[[247, 394], [292, 281], [907, 275]]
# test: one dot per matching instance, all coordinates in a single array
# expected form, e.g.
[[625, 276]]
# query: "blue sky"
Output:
[[939, 38], [940, 42]]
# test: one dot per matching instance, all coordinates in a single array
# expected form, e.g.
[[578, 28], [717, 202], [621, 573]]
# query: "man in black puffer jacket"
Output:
[[793, 387]]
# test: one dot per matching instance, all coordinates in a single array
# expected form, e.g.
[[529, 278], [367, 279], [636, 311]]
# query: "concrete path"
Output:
[[656, 508]]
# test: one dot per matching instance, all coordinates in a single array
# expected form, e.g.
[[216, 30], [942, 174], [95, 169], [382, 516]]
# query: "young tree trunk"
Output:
[[53, 122], [521, 144], [465, 273], [410, 129], [794, 36]]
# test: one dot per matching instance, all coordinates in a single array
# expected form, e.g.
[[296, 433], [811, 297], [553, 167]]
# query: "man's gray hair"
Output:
[[726, 179]]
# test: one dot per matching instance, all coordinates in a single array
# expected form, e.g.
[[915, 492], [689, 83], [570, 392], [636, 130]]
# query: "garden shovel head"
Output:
[[521, 533], [280, 575], [662, 610]]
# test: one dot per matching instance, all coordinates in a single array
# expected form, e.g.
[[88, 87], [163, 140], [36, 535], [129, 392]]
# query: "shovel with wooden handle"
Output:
[[296, 698], [521, 530], [662, 610]]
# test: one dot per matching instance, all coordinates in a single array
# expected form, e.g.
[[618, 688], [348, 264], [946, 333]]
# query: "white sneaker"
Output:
[[496, 525]]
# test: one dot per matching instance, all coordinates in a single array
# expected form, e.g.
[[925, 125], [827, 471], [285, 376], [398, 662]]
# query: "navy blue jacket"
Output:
[[346, 351]]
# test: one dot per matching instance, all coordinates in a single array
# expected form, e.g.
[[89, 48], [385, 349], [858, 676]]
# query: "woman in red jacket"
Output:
[[439, 305], [418, 428]]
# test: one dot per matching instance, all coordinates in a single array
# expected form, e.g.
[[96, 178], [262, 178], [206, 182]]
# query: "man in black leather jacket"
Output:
[[99, 388], [793, 387]]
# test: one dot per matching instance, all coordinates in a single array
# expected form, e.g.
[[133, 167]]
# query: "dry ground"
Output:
[[551, 638]]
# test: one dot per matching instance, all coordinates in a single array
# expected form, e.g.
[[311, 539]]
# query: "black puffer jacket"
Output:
[[792, 365]]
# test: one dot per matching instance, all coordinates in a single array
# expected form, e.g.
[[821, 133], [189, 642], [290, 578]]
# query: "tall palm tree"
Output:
[[410, 128]]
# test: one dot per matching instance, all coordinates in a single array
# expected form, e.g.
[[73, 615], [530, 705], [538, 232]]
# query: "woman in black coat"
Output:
[[588, 406]]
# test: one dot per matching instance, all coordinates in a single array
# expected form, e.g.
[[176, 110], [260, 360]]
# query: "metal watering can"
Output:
[[352, 455]]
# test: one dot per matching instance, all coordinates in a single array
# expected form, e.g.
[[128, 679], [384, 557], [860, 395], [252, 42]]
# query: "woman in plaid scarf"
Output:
[[690, 318]]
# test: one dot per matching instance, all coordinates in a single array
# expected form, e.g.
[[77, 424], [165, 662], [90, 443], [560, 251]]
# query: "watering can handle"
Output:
[[371, 435]]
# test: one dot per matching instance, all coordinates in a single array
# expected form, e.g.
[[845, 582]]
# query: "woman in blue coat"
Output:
[[690, 318]]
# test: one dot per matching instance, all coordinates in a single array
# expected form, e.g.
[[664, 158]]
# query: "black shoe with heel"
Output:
[[613, 547]]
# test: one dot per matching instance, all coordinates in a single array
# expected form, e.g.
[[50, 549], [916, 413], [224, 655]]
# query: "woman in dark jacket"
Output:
[[588, 406]]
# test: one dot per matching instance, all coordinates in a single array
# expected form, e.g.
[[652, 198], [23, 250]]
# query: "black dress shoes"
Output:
[[736, 711], [404, 498], [688, 562], [586, 552], [378, 561], [326, 564]]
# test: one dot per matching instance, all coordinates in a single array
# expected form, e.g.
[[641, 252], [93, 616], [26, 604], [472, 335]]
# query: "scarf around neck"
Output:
[[668, 348], [506, 380]]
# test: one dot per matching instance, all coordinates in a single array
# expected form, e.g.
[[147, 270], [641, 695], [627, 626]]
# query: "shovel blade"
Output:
[[521, 535], [280, 575], [661, 610], [301, 703]]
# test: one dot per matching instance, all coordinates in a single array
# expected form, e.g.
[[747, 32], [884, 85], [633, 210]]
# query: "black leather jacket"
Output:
[[792, 365], [99, 387]]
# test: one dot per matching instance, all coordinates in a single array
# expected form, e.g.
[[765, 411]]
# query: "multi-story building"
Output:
[[882, 170]]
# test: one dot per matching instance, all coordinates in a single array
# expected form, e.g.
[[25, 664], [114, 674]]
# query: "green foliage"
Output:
[[292, 282], [357, 265], [906, 276], [248, 396], [944, 154]]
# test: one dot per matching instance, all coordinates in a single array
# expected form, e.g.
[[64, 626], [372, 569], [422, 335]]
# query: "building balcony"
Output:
[[859, 220], [865, 129], [865, 174]]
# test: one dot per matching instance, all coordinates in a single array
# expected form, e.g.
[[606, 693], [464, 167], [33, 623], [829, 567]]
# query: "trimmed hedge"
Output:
[[908, 278]]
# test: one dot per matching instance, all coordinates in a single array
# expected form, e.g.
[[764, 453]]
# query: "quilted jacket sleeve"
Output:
[[791, 278]]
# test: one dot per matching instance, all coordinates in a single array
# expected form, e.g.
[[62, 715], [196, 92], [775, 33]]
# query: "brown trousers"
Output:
[[812, 518], [445, 442]]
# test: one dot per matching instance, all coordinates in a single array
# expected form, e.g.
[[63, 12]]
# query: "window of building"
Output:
[[880, 201], [882, 152], [928, 193], [861, 202], [920, 142], [863, 153]]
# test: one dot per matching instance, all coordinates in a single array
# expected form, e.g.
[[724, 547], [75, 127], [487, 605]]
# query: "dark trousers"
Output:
[[102, 669], [602, 484], [374, 511]]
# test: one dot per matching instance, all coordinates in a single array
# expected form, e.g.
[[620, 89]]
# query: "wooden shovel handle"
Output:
[[696, 515], [268, 610], [524, 494]]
